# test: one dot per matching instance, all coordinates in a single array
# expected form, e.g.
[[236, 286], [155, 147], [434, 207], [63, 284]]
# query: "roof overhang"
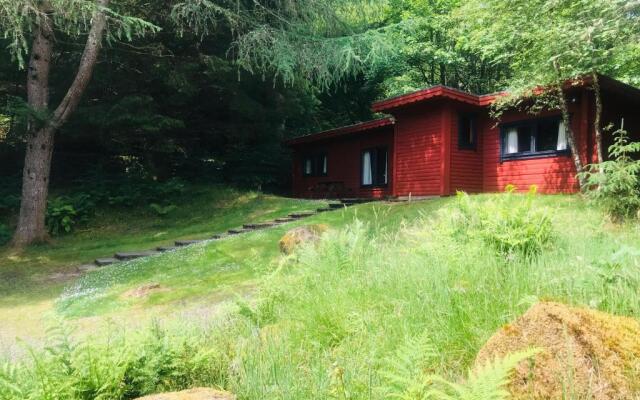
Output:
[[432, 93], [345, 130]]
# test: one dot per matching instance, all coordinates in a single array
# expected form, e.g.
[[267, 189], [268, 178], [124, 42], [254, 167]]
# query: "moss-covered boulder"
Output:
[[585, 354], [300, 235], [192, 394]]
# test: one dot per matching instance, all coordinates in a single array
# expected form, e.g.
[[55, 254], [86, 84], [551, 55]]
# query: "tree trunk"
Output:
[[598, 117], [37, 165], [566, 120], [571, 138]]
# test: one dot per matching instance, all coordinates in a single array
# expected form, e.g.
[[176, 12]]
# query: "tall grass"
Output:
[[372, 313]]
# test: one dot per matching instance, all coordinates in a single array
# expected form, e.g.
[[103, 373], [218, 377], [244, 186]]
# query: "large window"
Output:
[[533, 138], [467, 132], [315, 165], [375, 167]]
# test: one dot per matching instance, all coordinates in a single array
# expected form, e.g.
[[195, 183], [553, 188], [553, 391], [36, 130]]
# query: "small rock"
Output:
[[192, 394], [303, 234]]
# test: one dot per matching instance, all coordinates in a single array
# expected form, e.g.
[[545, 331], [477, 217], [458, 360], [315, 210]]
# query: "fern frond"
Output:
[[489, 382]]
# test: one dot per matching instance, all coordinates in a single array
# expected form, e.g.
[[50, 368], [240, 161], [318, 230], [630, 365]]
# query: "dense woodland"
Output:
[[208, 89]]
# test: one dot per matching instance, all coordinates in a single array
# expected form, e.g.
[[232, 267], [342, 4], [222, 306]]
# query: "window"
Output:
[[375, 167], [467, 132], [534, 138], [315, 165]]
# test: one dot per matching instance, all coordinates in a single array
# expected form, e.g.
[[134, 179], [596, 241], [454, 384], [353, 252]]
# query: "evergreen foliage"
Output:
[[615, 183]]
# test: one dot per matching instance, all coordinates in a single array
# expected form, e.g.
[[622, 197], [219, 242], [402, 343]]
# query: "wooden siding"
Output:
[[466, 164], [552, 174], [343, 166], [418, 167]]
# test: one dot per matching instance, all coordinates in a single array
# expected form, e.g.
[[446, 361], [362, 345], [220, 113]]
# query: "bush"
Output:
[[615, 184], [61, 216], [508, 224], [5, 234]]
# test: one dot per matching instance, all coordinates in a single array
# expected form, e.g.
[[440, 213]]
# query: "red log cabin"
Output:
[[441, 140]]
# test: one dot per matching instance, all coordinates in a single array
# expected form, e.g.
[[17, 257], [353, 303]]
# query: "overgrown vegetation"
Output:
[[395, 307], [615, 183], [510, 225]]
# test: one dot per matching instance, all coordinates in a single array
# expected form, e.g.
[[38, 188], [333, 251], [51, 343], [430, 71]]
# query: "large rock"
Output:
[[302, 234], [586, 354], [192, 394]]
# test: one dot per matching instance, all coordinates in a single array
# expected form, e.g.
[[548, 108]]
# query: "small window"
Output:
[[315, 165], [539, 137], [467, 132], [375, 167]]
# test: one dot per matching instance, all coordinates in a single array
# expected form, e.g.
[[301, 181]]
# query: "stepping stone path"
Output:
[[125, 256], [182, 243], [164, 249], [134, 255], [103, 262]]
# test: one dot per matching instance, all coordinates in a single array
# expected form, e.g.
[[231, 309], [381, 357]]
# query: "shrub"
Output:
[[161, 210], [5, 234], [509, 224], [615, 184], [61, 216]]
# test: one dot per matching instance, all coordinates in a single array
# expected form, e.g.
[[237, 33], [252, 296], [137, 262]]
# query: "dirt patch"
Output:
[[144, 291], [586, 354], [300, 235], [192, 394]]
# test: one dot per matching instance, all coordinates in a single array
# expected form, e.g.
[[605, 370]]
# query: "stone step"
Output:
[[262, 225], [135, 254], [103, 262], [351, 202], [182, 243], [87, 267], [284, 220], [164, 249], [302, 214], [236, 231]]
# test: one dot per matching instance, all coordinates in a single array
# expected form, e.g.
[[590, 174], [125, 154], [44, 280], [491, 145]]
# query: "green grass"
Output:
[[26, 282], [204, 270], [391, 293]]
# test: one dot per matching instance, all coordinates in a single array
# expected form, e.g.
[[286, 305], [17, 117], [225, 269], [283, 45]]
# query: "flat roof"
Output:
[[345, 130]]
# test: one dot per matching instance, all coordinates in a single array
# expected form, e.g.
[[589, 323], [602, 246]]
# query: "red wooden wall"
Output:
[[466, 164], [343, 165], [425, 159], [554, 174], [418, 151]]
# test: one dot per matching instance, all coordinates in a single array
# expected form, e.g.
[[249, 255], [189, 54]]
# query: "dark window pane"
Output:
[[307, 166], [524, 138], [381, 166], [547, 137], [466, 132]]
